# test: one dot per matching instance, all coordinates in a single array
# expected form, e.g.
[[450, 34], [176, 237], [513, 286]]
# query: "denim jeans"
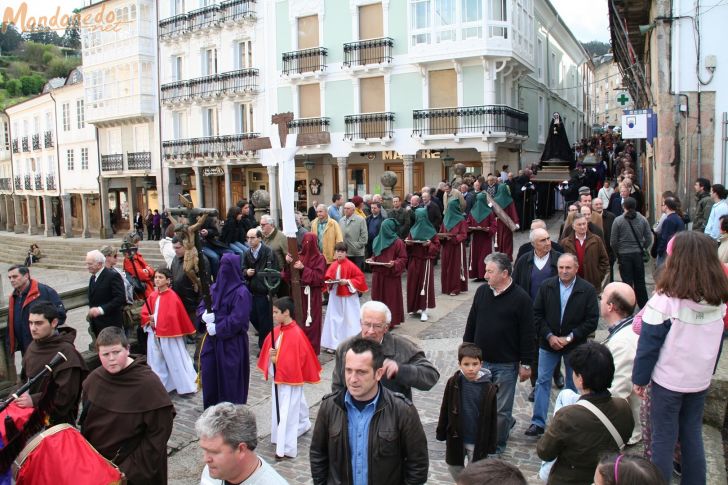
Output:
[[238, 248], [547, 360], [678, 415], [214, 258], [506, 377], [456, 470]]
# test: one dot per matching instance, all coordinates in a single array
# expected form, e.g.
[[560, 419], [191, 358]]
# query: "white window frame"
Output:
[[66, 107], [70, 160], [178, 68], [244, 54], [244, 118], [541, 119], [80, 114], [84, 158], [210, 122], [209, 61]]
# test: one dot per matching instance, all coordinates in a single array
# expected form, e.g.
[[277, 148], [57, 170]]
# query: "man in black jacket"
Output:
[[501, 324], [389, 447], [255, 261], [106, 295], [566, 312], [529, 272]]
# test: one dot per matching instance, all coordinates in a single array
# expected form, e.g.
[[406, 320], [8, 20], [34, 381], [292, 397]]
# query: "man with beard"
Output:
[[66, 378]]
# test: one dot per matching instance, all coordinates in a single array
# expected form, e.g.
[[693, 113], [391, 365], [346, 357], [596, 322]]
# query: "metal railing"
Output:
[[369, 125], [48, 139], [113, 162], [18, 182], [26, 145], [28, 185], [36, 142], [478, 120], [225, 145], [15, 145], [370, 51], [305, 60], [206, 17], [6, 184], [226, 83], [308, 125], [38, 182], [50, 181], [139, 160]]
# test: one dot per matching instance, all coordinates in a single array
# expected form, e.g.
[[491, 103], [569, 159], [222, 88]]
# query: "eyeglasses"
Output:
[[373, 326]]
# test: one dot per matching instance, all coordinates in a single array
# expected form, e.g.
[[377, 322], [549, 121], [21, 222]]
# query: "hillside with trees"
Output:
[[29, 60]]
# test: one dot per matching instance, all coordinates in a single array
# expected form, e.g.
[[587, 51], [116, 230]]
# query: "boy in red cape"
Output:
[[293, 364], [166, 327]]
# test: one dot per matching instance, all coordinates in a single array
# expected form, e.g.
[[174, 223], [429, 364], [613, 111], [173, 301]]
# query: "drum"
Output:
[[61, 455]]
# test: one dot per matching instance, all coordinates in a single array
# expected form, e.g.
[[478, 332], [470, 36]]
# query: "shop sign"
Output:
[[394, 155], [212, 171]]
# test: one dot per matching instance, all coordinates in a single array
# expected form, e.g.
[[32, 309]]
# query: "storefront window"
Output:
[[357, 177]]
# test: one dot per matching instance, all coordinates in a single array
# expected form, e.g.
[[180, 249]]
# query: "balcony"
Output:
[[6, 184], [48, 139], [38, 182], [207, 147], [470, 121], [367, 52], [112, 163], [139, 160], [18, 183], [369, 126], [36, 142], [15, 145], [308, 125], [26, 145], [135, 108], [28, 185], [205, 18], [232, 83], [298, 63], [50, 181]]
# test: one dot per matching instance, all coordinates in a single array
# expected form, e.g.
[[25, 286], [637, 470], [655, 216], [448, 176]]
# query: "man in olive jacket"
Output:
[[367, 433]]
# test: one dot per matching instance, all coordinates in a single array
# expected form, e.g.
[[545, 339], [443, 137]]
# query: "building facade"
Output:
[[7, 211], [120, 80], [607, 90]]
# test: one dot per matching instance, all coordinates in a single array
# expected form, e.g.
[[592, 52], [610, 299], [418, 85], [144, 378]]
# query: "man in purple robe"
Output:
[[224, 354]]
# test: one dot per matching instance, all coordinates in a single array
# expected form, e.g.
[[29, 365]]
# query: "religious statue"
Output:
[[186, 233], [557, 146]]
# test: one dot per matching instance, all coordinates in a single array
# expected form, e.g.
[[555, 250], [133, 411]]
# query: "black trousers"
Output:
[[358, 261], [261, 317], [632, 271]]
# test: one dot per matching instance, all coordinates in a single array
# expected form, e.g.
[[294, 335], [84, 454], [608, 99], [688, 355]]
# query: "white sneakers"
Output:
[[423, 317]]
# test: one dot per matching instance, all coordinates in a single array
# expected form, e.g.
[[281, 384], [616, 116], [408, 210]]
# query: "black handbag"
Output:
[[645, 253], [138, 285]]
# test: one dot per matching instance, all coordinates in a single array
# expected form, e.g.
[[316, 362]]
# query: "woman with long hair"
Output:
[[682, 328], [631, 234], [232, 232]]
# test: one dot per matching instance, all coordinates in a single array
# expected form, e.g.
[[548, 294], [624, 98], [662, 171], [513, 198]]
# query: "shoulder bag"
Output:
[[645, 253], [605, 421]]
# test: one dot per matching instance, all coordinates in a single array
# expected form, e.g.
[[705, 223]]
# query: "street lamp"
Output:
[[447, 160], [309, 164]]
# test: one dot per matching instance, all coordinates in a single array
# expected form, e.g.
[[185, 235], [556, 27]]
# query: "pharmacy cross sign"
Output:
[[623, 99]]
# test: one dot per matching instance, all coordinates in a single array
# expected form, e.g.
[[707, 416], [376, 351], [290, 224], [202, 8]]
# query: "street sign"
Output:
[[623, 99], [212, 171], [635, 123]]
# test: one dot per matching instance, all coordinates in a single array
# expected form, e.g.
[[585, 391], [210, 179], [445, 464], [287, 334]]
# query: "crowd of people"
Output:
[[536, 311]]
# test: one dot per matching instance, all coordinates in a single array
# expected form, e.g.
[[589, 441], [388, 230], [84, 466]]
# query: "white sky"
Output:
[[587, 19]]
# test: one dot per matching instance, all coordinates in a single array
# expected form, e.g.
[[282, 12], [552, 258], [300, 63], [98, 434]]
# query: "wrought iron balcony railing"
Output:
[[38, 182], [306, 60], [15, 145], [5, 184], [50, 181], [475, 120], [36, 142], [371, 51], [227, 83], [28, 185], [18, 182], [369, 125], [206, 17], [113, 162], [48, 139], [26, 145], [308, 125], [209, 146], [139, 160]]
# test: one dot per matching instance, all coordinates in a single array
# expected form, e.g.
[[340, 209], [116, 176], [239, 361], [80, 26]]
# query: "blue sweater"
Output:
[[671, 225]]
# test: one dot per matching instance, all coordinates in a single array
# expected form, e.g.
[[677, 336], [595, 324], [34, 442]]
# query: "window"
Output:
[[80, 115], [244, 54], [244, 118], [552, 68], [177, 68], [48, 121], [6, 136], [444, 20], [210, 122], [420, 22], [539, 59], [309, 100], [178, 7], [209, 62], [541, 119], [177, 125], [371, 94], [69, 159], [497, 12], [84, 158], [66, 117], [472, 14]]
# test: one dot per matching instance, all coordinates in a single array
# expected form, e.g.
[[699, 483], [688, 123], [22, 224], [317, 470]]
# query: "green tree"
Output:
[[10, 39], [18, 69], [14, 88], [43, 35], [596, 48], [72, 36], [60, 67], [32, 84]]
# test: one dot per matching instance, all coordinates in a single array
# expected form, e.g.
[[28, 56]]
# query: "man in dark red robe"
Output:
[[391, 252], [482, 224], [127, 414], [423, 247], [224, 357], [454, 232], [312, 265]]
